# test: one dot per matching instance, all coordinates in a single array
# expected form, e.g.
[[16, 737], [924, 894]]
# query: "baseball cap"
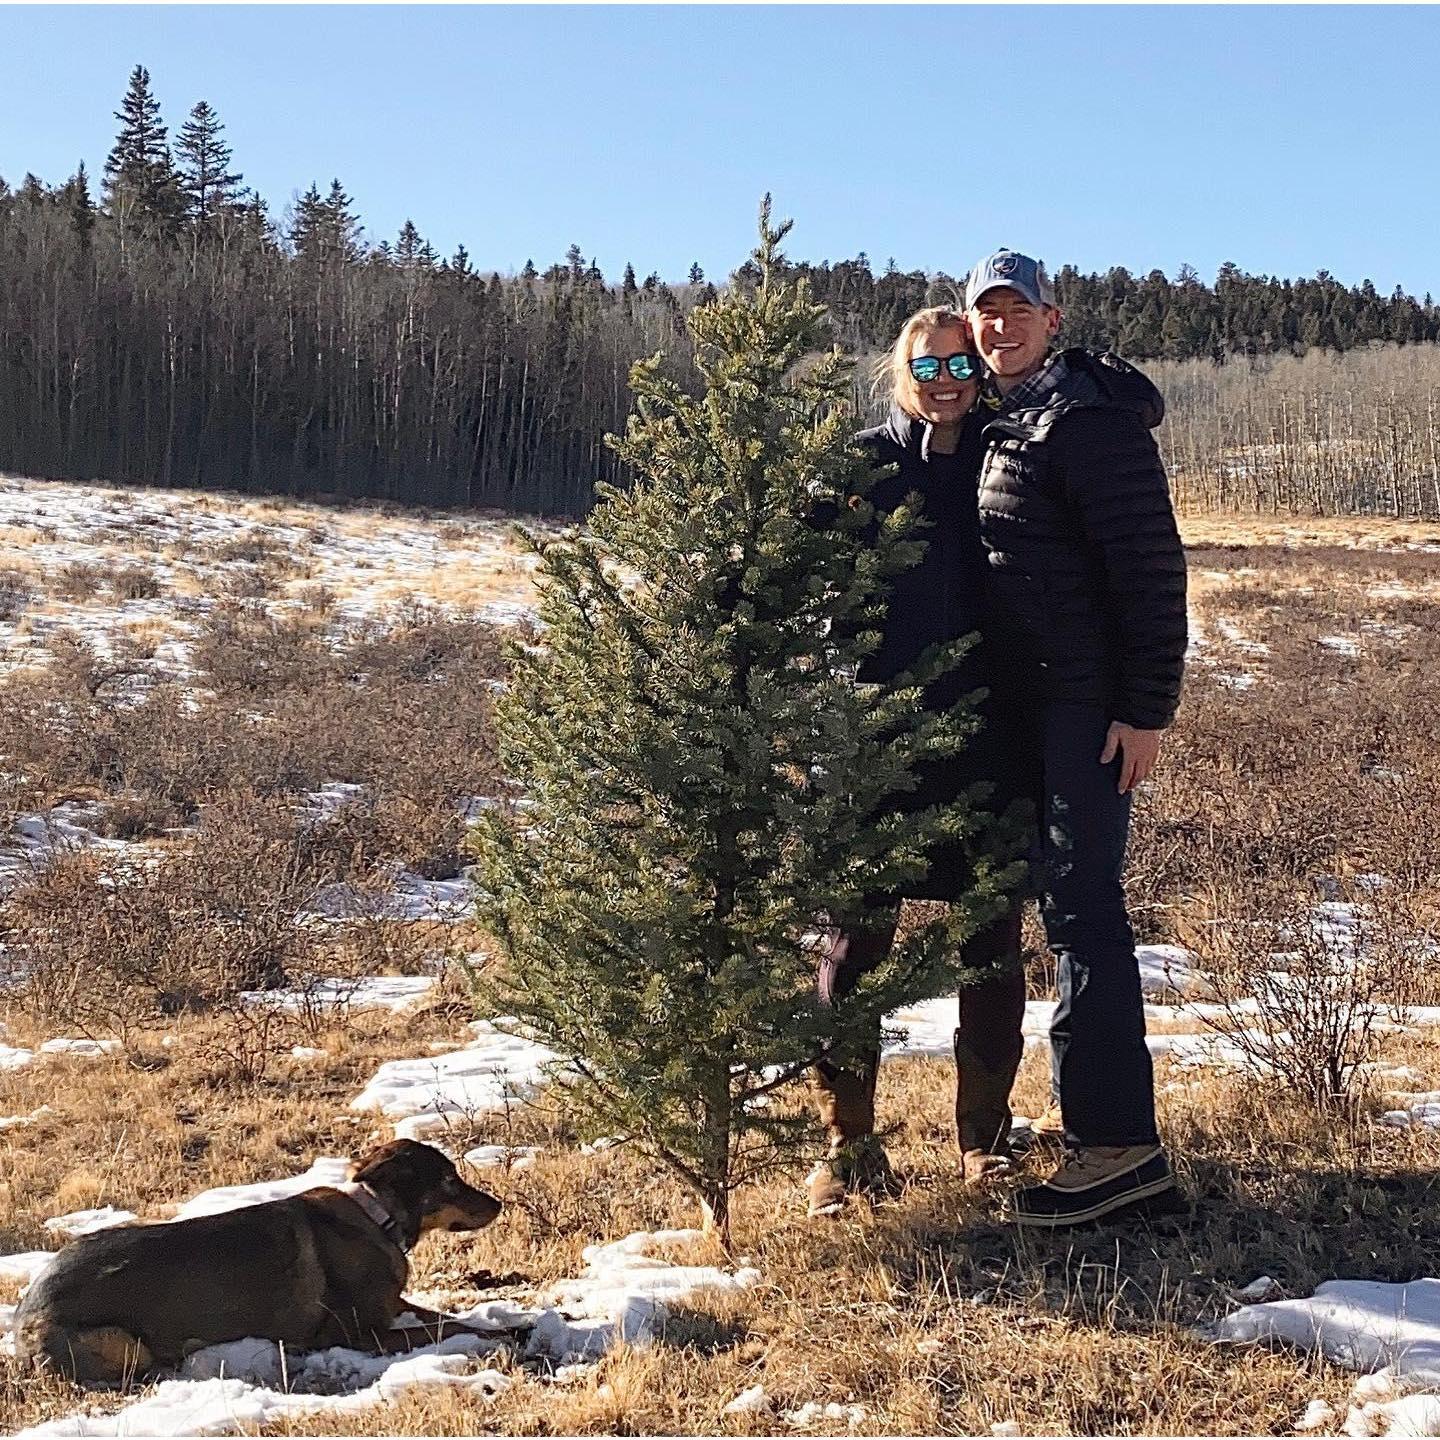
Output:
[[1009, 270]]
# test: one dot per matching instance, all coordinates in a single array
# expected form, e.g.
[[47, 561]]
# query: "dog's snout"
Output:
[[466, 1208], [483, 1206]]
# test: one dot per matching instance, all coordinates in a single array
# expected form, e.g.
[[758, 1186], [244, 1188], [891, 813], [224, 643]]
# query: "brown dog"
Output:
[[313, 1270]]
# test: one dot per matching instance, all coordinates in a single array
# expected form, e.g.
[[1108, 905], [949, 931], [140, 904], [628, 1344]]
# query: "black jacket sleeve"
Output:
[[1115, 484]]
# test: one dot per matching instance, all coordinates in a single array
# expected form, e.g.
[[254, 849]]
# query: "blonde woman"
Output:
[[932, 434]]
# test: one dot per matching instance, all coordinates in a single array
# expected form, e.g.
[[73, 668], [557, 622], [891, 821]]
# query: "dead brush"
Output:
[[1316, 785], [110, 949], [417, 641], [134, 582], [77, 581], [1324, 768], [242, 648], [255, 546], [1307, 989], [16, 593]]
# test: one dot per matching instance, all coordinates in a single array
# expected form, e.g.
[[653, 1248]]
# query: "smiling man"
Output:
[[1087, 584]]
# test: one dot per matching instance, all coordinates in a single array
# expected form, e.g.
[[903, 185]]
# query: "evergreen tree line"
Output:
[[169, 330]]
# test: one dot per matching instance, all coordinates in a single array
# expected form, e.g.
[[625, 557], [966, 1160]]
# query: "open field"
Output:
[[219, 716]]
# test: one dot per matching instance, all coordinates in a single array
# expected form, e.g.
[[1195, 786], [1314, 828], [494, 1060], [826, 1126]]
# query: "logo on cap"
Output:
[[1005, 264]]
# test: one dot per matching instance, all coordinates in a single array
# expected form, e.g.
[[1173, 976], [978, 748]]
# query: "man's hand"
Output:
[[1139, 750]]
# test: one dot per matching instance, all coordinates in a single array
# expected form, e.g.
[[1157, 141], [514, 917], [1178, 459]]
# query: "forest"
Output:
[[164, 327]]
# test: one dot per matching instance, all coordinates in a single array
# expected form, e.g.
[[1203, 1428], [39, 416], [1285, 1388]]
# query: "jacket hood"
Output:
[[1087, 379], [1118, 383]]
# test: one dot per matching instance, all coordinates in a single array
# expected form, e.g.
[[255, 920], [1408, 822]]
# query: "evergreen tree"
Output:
[[142, 189], [210, 188], [697, 275], [407, 246], [325, 230], [705, 776], [344, 233], [306, 224], [76, 197]]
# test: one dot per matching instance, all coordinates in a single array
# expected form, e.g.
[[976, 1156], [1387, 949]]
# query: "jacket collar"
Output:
[[909, 432]]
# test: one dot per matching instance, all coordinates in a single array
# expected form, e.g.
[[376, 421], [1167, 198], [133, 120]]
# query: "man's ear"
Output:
[[1053, 319]]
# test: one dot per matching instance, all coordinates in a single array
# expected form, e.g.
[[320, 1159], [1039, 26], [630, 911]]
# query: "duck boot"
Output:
[[855, 1162]]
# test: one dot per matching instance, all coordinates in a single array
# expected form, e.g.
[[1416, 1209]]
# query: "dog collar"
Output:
[[369, 1202]]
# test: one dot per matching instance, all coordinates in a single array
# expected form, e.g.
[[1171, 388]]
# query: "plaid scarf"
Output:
[[1029, 394]]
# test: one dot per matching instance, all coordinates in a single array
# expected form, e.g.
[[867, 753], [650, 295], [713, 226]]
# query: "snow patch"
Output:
[[812, 1412], [232, 1405], [752, 1401], [395, 993], [25, 1266], [87, 1222], [13, 1122], [326, 1170], [494, 1071], [407, 897], [1318, 1416], [623, 1294], [1360, 1324], [88, 1049], [503, 1157]]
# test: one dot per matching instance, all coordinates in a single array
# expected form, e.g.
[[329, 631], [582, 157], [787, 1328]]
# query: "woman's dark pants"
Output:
[[988, 1042]]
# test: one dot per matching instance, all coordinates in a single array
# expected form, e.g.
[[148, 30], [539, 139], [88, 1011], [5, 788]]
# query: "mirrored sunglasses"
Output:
[[926, 368]]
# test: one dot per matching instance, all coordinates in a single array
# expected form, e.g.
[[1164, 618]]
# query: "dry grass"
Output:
[[926, 1312]]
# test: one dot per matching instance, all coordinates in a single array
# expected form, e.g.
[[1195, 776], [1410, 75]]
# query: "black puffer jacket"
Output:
[[1087, 572], [942, 598]]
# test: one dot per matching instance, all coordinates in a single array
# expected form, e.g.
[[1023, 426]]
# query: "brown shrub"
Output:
[[108, 947]]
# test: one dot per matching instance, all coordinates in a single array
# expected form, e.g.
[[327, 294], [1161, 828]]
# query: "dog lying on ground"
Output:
[[309, 1271]]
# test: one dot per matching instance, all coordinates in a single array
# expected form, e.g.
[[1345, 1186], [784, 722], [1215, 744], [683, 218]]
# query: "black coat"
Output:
[[942, 598], [1086, 568]]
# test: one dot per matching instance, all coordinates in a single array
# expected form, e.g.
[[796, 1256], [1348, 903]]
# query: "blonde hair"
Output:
[[892, 379]]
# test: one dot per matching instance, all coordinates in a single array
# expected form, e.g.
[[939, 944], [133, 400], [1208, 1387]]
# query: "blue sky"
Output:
[[1284, 138]]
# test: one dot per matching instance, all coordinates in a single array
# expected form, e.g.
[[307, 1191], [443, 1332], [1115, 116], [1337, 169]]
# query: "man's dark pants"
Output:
[[1101, 1067]]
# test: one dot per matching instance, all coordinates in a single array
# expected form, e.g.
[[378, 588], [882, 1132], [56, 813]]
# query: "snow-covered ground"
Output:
[[190, 542], [425, 1098], [396, 993], [190, 545], [1389, 1333]]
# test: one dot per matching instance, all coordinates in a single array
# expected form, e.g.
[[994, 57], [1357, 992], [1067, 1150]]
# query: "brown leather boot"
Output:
[[982, 1111], [988, 1047], [856, 1162]]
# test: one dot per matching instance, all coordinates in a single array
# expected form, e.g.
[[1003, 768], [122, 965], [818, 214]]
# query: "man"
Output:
[[1087, 582]]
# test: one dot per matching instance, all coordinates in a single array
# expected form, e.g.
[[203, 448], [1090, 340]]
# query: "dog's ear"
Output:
[[380, 1155]]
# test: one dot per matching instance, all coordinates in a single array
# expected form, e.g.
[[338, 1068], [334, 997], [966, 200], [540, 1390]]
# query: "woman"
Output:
[[932, 435]]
